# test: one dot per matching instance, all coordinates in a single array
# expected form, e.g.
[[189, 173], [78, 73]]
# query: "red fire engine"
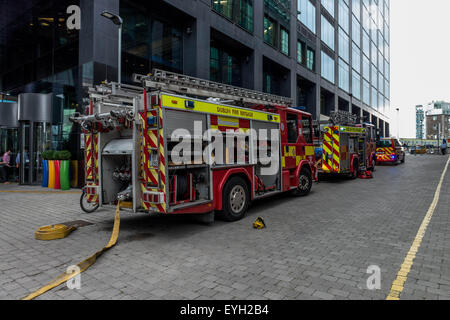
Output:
[[133, 133]]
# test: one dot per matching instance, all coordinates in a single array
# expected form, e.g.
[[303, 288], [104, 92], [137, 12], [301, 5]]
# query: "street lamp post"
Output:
[[398, 123], [118, 21]]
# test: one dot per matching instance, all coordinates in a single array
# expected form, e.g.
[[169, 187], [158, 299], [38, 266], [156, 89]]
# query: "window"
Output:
[[307, 14], [300, 48], [344, 74], [267, 83], [356, 31], [366, 68], [224, 7], [284, 41], [329, 5], [224, 67], [280, 8], [310, 59], [374, 76], [366, 92], [269, 32], [306, 130], [292, 127], [246, 15], [327, 67], [356, 85], [344, 45], [374, 98], [239, 11], [356, 8], [366, 44], [356, 58], [327, 34], [343, 16]]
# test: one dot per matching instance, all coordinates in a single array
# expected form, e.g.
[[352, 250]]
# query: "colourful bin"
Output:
[[51, 174], [57, 174], [45, 173], [64, 176]]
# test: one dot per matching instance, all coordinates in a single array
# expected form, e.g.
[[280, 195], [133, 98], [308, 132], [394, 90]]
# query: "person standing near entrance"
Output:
[[5, 165], [444, 147], [25, 157]]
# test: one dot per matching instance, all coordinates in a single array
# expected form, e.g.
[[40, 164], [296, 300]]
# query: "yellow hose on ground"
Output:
[[53, 232], [83, 265]]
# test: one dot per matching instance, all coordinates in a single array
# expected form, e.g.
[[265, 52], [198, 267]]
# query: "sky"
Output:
[[420, 59]]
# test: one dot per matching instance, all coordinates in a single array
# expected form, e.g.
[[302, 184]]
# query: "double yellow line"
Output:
[[402, 275]]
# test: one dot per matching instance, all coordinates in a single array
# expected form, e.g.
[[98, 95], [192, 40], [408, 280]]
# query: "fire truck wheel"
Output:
[[87, 206], [235, 199], [304, 183]]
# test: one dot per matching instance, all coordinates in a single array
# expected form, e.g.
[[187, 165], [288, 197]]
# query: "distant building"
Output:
[[438, 125], [420, 122], [432, 120]]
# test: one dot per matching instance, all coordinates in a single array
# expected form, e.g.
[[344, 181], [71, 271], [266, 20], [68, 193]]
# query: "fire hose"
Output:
[[83, 265]]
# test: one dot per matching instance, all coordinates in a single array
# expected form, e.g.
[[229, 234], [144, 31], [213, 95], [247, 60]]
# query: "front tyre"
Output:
[[86, 205], [304, 183], [236, 199]]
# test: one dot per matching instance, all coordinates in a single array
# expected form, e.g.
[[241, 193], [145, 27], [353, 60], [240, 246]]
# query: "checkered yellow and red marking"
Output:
[[91, 150], [331, 151], [384, 154], [91, 198], [153, 139]]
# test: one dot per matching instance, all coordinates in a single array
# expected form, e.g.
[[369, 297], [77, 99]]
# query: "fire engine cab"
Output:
[[181, 145]]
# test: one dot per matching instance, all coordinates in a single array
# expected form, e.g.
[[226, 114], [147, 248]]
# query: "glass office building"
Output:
[[325, 54]]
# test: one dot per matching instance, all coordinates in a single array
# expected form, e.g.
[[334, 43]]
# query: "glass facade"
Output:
[[149, 43], [40, 54], [35, 41]]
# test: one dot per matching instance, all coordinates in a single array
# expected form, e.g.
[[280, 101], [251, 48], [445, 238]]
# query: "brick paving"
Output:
[[317, 247]]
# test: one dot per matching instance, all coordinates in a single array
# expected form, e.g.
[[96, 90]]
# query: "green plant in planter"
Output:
[[63, 155], [48, 155]]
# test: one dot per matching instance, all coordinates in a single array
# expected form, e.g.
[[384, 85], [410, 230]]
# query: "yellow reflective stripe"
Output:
[[212, 108]]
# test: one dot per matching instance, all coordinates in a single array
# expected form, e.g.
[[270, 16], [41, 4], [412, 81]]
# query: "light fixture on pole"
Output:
[[118, 21]]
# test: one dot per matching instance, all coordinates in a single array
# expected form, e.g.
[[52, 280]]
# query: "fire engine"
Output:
[[348, 148], [149, 146]]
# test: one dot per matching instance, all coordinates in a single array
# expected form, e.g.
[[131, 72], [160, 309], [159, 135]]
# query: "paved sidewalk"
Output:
[[317, 247]]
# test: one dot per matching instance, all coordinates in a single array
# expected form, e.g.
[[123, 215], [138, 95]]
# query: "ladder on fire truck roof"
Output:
[[343, 118], [182, 84]]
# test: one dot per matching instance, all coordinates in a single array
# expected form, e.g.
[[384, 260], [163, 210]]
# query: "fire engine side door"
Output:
[[290, 141]]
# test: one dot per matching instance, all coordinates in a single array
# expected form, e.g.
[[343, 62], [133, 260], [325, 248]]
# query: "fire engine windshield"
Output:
[[384, 144]]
